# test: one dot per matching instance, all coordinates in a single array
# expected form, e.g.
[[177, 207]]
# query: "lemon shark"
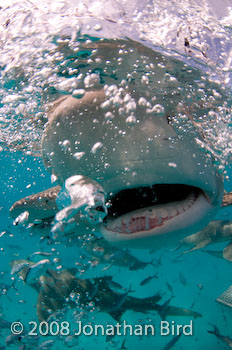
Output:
[[216, 231], [122, 133], [54, 290]]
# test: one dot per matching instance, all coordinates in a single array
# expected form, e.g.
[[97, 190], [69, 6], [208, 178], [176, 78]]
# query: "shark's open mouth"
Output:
[[146, 209]]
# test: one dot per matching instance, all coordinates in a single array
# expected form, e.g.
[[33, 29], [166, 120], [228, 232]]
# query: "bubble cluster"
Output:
[[60, 48]]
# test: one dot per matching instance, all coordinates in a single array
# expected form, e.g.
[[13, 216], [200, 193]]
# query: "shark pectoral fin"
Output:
[[198, 246], [162, 315], [116, 315], [41, 205], [227, 252], [216, 253]]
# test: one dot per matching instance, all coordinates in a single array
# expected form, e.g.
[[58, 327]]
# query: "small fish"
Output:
[[40, 253], [123, 345], [182, 279], [107, 267], [193, 303], [47, 344], [36, 270], [14, 338], [115, 286], [148, 279], [169, 287], [172, 342], [226, 340]]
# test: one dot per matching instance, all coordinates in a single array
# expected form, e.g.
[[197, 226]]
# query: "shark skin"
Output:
[[151, 151]]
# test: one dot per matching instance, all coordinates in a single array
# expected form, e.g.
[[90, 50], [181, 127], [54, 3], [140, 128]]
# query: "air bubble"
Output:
[[78, 155], [156, 109], [97, 27], [109, 116], [97, 147], [172, 165], [106, 104], [142, 102], [68, 85], [91, 80], [65, 144], [131, 106], [131, 120], [145, 80], [79, 93]]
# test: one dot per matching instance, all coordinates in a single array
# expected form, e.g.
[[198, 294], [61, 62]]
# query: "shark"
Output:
[[54, 290], [225, 339], [216, 231], [124, 134]]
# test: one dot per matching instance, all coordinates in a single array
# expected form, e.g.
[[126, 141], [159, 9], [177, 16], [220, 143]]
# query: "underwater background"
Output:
[[195, 279]]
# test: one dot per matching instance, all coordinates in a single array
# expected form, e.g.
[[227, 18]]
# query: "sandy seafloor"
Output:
[[203, 277]]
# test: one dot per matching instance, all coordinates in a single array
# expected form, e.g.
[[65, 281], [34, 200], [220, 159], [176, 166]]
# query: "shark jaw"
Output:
[[163, 211]]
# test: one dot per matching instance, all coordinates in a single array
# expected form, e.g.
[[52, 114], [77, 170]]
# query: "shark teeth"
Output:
[[149, 218]]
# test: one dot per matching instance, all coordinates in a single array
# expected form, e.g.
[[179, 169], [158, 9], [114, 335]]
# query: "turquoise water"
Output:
[[196, 278], [186, 48]]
